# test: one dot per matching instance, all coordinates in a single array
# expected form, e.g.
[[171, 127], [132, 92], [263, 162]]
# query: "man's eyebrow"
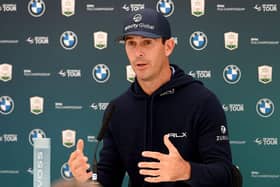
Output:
[[131, 37], [128, 38]]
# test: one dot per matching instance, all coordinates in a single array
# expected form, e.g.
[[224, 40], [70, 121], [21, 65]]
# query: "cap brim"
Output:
[[138, 33]]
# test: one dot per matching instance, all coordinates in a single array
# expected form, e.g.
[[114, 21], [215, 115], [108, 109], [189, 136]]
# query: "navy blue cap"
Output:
[[148, 23]]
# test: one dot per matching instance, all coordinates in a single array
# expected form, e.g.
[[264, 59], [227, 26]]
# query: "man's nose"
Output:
[[139, 51]]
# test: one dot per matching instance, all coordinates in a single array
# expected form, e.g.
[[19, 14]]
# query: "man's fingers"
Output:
[[72, 157], [80, 145], [151, 154], [83, 177], [171, 148], [153, 179], [80, 162], [151, 165], [149, 172], [81, 170], [76, 155]]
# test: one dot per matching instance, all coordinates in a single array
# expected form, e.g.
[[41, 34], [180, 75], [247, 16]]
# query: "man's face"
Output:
[[147, 56]]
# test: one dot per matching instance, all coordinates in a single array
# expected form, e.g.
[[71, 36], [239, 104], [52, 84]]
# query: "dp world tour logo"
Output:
[[198, 40], [166, 7], [36, 133], [6, 105], [66, 171], [265, 107], [68, 40], [36, 8], [232, 74], [101, 73]]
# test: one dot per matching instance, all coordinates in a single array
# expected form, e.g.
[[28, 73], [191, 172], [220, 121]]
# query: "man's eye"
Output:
[[130, 43], [147, 42]]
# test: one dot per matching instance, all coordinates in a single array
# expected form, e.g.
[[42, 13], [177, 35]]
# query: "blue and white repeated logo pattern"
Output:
[[101, 73], [68, 40], [265, 107], [66, 172], [36, 8], [6, 105], [232, 74], [198, 40], [166, 7], [36, 133]]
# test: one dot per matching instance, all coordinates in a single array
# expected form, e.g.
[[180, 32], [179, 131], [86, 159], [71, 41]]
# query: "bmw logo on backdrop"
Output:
[[66, 172], [166, 7], [198, 40], [101, 73], [68, 40], [6, 105], [265, 107], [232, 74], [36, 133], [36, 8]]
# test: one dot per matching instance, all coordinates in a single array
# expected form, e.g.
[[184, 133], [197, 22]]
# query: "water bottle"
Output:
[[41, 162]]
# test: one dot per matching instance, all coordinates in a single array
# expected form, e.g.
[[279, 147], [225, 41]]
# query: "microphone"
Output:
[[105, 124], [105, 121]]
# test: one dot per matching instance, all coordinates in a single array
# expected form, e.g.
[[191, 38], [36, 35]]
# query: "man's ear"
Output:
[[169, 46]]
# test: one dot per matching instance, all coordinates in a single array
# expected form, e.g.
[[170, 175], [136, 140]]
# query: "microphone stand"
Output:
[[105, 123], [93, 182]]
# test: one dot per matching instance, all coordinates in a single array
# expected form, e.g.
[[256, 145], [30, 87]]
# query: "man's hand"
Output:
[[78, 163], [171, 167]]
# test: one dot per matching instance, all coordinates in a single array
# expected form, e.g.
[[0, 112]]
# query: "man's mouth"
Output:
[[141, 66]]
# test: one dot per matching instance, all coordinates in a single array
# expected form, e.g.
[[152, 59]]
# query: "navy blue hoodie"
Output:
[[182, 108]]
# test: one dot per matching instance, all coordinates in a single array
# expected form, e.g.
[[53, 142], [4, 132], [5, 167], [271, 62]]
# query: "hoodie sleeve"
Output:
[[213, 146]]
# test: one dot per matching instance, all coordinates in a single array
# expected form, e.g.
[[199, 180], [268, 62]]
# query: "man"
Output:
[[168, 130]]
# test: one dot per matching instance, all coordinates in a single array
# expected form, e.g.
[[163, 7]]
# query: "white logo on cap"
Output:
[[137, 18]]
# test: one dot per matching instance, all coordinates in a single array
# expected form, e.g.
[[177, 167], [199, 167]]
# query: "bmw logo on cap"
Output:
[[101, 73], [36, 133], [6, 105], [265, 107], [66, 172], [166, 7], [198, 40], [36, 8], [68, 40], [232, 74]]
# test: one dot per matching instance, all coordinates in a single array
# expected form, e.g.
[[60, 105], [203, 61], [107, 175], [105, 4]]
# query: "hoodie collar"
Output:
[[178, 79]]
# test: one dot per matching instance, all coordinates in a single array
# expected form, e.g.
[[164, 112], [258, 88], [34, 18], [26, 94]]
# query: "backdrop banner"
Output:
[[60, 65]]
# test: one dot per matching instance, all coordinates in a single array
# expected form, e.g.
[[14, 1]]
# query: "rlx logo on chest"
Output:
[[178, 135]]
